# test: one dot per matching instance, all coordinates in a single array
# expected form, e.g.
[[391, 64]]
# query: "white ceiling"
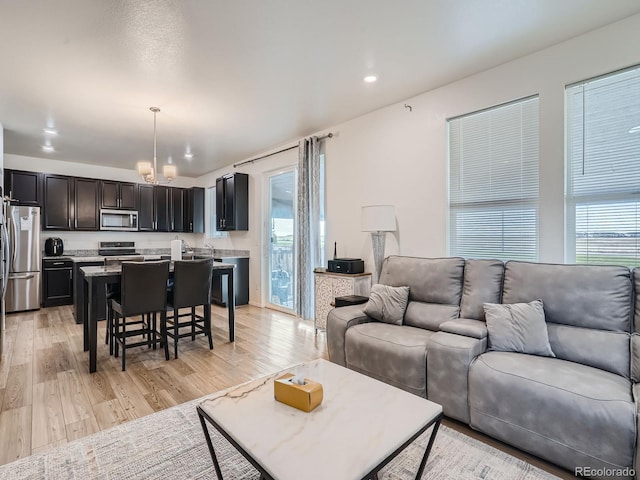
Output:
[[234, 78]]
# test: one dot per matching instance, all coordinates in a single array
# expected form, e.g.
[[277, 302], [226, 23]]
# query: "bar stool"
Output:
[[113, 291], [191, 288], [144, 287]]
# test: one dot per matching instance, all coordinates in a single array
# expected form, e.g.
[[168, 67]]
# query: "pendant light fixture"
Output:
[[147, 171]]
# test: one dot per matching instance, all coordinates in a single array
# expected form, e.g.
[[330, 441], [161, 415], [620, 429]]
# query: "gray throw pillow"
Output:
[[518, 327], [387, 304]]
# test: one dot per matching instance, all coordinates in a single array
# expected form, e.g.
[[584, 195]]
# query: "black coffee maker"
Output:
[[53, 247]]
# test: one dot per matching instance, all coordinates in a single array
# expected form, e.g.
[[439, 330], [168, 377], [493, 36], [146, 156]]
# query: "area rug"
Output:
[[170, 444]]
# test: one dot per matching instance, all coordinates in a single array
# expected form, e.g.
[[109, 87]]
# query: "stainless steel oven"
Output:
[[121, 220]]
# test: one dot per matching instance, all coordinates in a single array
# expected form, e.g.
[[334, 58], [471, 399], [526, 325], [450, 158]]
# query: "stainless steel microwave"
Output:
[[121, 220]]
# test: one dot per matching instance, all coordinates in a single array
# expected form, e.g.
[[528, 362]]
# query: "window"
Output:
[[493, 182], [603, 170], [210, 215]]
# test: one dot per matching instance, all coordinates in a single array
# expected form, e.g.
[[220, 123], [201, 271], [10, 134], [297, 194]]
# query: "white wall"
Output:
[[252, 239], [397, 157], [394, 156], [90, 240], [400, 157]]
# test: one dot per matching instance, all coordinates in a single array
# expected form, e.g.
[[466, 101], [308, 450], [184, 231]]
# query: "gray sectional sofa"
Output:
[[579, 409]]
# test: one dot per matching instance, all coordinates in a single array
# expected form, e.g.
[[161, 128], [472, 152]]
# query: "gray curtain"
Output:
[[308, 235]]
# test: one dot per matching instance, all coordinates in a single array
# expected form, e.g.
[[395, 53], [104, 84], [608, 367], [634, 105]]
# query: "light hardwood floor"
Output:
[[48, 397]]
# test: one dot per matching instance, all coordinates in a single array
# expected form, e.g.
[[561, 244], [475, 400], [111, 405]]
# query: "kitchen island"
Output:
[[97, 277]]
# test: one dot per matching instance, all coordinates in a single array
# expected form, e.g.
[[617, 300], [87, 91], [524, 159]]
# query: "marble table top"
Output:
[[360, 422], [100, 271]]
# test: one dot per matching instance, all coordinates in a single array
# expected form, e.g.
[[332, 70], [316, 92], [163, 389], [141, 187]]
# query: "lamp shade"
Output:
[[169, 172], [144, 168], [378, 218]]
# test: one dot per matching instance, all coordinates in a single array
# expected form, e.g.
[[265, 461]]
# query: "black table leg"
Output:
[[428, 450], [92, 321], [216, 465], [85, 312], [231, 306]]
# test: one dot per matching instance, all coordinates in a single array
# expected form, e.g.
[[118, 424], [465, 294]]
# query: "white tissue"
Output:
[[176, 249]]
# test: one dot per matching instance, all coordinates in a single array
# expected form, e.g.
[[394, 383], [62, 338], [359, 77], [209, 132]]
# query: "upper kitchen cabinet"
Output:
[[232, 202], [57, 211], [119, 195], [87, 205], [161, 206], [146, 217], [24, 188], [178, 203], [195, 210]]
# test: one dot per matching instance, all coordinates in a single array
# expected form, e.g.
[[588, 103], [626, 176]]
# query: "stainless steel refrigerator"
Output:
[[23, 280]]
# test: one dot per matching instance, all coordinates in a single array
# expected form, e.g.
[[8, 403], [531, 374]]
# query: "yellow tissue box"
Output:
[[303, 397]]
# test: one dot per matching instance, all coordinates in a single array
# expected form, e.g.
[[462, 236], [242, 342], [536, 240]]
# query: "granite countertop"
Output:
[[148, 254], [100, 271]]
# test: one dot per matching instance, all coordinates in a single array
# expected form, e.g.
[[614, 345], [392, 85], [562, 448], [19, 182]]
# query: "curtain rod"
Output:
[[236, 165]]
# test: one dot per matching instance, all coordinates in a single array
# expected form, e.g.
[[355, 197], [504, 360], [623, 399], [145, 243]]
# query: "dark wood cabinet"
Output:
[[161, 208], [240, 282], [178, 202], [58, 202], [109, 194], [146, 218], [86, 204], [232, 202], [74, 203], [57, 282], [118, 195], [24, 188], [78, 293], [195, 210]]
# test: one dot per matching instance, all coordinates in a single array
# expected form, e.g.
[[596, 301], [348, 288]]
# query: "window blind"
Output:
[[493, 182], [603, 170]]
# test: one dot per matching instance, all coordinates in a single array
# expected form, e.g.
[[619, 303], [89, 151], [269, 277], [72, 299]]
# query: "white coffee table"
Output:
[[361, 425]]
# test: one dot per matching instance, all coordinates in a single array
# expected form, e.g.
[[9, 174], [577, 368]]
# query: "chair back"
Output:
[[144, 287], [110, 261], [192, 282]]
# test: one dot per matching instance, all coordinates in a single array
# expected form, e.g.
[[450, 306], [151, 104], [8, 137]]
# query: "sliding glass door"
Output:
[[281, 230]]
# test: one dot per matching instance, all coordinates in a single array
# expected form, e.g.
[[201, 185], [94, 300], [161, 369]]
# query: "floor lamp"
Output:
[[378, 219]]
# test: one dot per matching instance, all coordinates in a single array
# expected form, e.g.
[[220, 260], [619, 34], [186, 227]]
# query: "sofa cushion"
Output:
[[590, 297], [387, 304], [597, 348], [431, 280], [518, 327], [394, 354], [429, 315], [482, 284], [636, 303], [587, 296], [570, 414]]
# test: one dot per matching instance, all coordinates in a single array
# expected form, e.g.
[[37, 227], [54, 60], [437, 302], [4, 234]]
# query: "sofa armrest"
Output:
[[466, 327], [338, 321], [448, 360]]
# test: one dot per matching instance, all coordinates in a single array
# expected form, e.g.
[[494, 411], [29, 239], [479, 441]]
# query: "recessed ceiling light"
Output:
[[48, 148], [370, 78], [188, 155], [50, 131], [635, 129]]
